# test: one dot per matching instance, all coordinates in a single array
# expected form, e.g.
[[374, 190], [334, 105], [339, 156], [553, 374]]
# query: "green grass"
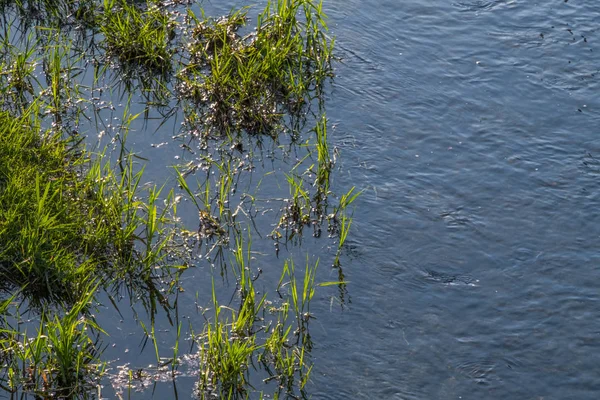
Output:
[[136, 36], [250, 82], [70, 224], [60, 359], [37, 215], [77, 225], [46, 12], [65, 219], [255, 334], [17, 66], [342, 222]]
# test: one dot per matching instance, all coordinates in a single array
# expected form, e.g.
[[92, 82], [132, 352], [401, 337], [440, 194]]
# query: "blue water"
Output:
[[474, 252], [474, 126]]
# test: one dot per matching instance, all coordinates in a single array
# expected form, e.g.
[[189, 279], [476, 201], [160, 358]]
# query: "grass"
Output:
[[69, 225], [37, 220], [225, 356], [59, 227], [249, 83], [61, 359], [17, 66], [325, 164], [137, 37], [47, 13], [343, 221], [257, 335], [78, 225]]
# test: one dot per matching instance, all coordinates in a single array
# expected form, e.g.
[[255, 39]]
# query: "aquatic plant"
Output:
[[60, 360], [343, 221], [249, 83], [44, 12], [137, 37], [258, 334], [77, 225], [17, 66], [64, 228]]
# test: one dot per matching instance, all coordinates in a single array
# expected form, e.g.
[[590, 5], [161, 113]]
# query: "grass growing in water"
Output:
[[137, 37], [67, 227], [61, 359], [258, 335], [248, 83], [74, 224], [65, 221]]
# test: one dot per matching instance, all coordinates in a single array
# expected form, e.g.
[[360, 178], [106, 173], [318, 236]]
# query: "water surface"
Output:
[[473, 260], [474, 126]]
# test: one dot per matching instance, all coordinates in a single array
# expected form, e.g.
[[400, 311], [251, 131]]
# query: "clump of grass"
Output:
[[297, 212], [229, 343], [309, 184], [342, 221], [286, 363], [59, 225], [62, 90], [286, 353], [53, 56], [72, 359], [47, 13], [17, 66], [66, 223], [225, 356], [138, 38], [256, 334], [37, 220], [325, 164], [213, 229], [248, 83], [60, 360], [74, 223], [300, 300]]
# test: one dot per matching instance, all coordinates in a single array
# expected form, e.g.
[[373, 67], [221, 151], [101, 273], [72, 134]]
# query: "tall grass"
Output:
[[137, 37], [60, 360], [343, 221], [258, 334], [17, 67]]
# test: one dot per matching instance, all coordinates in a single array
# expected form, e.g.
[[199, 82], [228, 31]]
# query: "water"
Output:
[[473, 125], [473, 255]]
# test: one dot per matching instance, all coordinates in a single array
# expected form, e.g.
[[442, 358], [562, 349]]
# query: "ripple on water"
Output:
[[428, 278], [481, 232], [480, 5], [480, 371]]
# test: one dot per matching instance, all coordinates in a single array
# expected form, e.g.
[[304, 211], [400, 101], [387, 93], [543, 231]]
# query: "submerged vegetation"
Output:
[[80, 228]]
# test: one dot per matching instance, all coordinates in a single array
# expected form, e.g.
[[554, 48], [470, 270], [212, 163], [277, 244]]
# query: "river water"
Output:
[[474, 125], [475, 251]]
